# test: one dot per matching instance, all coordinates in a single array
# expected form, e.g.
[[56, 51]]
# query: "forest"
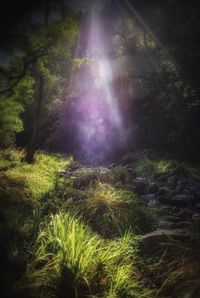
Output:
[[99, 149]]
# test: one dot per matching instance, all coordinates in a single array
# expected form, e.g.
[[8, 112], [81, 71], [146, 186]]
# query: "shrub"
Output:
[[70, 259], [110, 211]]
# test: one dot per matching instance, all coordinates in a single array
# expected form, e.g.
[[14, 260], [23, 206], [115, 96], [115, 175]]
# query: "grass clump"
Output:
[[10, 158], [25, 183], [111, 211], [164, 167], [176, 272], [69, 258]]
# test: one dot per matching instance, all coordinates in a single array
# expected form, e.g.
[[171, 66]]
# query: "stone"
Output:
[[172, 179], [152, 188], [197, 206], [165, 198], [196, 217], [129, 158], [148, 198], [171, 218], [152, 203], [184, 213], [182, 200], [164, 190], [183, 224], [178, 190], [140, 184], [151, 241], [165, 224]]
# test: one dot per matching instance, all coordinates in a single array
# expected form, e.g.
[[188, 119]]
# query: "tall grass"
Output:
[[111, 211], [23, 183], [70, 259], [176, 273], [164, 167]]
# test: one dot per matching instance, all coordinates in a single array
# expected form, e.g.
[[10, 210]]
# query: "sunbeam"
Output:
[[99, 121]]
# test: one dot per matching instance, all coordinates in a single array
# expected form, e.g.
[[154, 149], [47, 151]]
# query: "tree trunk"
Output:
[[39, 94]]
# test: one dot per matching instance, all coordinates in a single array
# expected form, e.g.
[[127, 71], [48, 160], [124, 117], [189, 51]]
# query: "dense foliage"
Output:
[[70, 230]]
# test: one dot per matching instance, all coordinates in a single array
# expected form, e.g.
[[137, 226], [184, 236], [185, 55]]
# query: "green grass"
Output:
[[70, 257], [164, 167], [26, 183], [61, 241], [22, 189], [10, 158], [111, 211], [176, 270]]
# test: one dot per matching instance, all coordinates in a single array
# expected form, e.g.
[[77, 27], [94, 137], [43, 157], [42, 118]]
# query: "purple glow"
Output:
[[99, 124]]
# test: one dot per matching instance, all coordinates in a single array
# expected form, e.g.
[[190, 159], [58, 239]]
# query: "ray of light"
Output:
[[99, 118], [153, 36]]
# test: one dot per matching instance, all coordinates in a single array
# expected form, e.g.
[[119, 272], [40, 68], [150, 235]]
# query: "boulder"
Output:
[[183, 224], [148, 198], [150, 242], [152, 203], [182, 200], [196, 217], [171, 218], [152, 188], [185, 214], [166, 224], [140, 185]]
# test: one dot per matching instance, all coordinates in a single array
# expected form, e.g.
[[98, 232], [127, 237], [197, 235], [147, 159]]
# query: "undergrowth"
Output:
[[111, 211], [176, 270], [25, 183], [164, 167], [62, 239], [70, 258]]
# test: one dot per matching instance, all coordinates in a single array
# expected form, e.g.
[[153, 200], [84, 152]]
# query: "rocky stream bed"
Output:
[[177, 196]]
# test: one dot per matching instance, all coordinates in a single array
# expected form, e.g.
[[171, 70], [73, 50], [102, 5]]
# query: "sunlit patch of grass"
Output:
[[71, 259], [10, 158], [28, 182], [164, 167], [39, 177], [111, 211]]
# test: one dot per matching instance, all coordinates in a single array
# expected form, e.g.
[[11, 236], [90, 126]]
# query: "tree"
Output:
[[46, 57]]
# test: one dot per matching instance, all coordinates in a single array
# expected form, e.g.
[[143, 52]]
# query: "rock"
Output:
[[172, 179], [152, 203], [182, 200], [165, 224], [183, 224], [152, 188], [197, 206], [105, 175], [129, 158], [163, 190], [172, 218], [165, 198], [178, 190], [195, 189], [151, 241], [184, 213], [196, 217], [140, 185], [186, 191], [75, 166], [148, 198], [81, 180], [62, 172]]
